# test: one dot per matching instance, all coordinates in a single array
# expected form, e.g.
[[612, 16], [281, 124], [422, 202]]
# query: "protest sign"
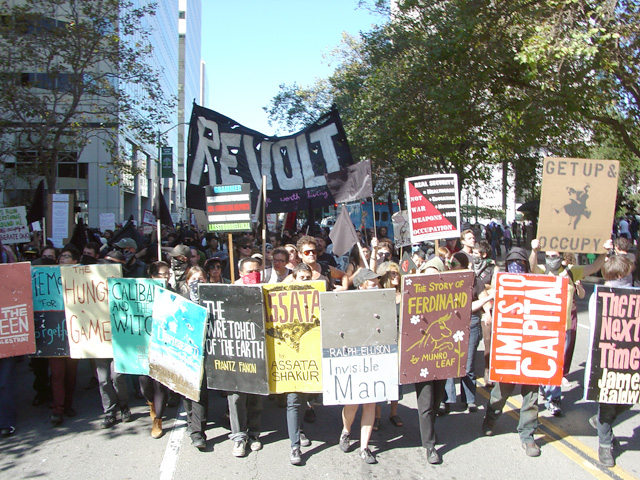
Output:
[[236, 358], [433, 207], [401, 229], [148, 218], [223, 152], [60, 211], [434, 326], [17, 336], [228, 208], [577, 204], [48, 306], [131, 309], [612, 373], [529, 323], [13, 225], [107, 221], [294, 346], [176, 348], [86, 305], [359, 346]]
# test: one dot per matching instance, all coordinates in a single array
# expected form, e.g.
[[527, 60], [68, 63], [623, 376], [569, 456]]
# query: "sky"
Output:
[[250, 47]]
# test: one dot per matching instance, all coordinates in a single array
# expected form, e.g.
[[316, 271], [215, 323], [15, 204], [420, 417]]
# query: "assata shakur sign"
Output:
[[131, 308], [86, 304], [612, 374], [236, 358], [17, 336], [434, 328], [359, 346], [529, 322], [577, 204], [294, 343], [434, 207], [176, 348], [48, 306]]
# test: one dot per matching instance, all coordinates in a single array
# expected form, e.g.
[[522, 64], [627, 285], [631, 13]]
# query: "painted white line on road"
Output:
[[172, 452]]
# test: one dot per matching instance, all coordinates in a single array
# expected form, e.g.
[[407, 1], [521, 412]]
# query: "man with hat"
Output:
[[179, 265], [132, 267]]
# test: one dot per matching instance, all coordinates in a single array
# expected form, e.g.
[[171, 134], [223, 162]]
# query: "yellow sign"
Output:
[[294, 343]]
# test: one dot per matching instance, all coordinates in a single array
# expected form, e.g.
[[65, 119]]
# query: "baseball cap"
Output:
[[180, 250], [363, 275], [126, 243]]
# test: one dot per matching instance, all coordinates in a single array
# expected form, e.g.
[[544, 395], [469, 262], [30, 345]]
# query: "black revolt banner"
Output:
[[222, 152], [235, 347], [612, 372]]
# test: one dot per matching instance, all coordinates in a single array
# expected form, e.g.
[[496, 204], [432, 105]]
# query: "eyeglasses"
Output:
[[49, 256], [215, 267], [245, 246], [308, 252]]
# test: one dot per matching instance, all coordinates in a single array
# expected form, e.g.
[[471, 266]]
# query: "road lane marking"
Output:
[[568, 445], [172, 452]]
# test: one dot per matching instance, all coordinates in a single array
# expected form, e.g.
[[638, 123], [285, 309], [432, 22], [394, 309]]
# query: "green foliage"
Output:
[[73, 72]]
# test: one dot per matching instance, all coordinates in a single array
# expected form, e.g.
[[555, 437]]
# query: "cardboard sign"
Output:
[[433, 206], [612, 373], [131, 309], [17, 336], [236, 358], [13, 225], [434, 326], [60, 209], [86, 305], [401, 229], [176, 348], [577, 204], [529, 321], [48, 306], [359, 346], [229, 208], [294, 346]]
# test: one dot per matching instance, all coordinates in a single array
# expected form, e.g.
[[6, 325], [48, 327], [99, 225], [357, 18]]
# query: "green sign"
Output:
[[167, 162]]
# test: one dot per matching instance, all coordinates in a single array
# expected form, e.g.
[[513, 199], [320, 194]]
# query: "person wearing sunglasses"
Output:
[[321, 270], [213, 268]]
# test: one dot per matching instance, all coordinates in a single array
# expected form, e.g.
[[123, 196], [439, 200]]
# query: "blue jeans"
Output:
[[7, 391], [245, 413], [528, 412], [294, 402], [468, 382]]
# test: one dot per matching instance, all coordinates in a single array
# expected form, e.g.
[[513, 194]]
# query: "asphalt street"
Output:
[[80, 449]]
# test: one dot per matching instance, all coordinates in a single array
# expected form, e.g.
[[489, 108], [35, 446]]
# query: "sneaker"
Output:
[[240, 448], [296, 456], [554, 407], [487, 426], [310, 415], [344, 442], [70, 412], [56, 419], [108, 421], [432, 456], [444, 409], [126, 414], [367, 456], [472, 407], [531, 448], [255, 444], [198, 441], [304, 441], [605, 456]]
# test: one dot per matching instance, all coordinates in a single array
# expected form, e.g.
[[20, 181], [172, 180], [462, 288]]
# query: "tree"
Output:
[[72, 72]]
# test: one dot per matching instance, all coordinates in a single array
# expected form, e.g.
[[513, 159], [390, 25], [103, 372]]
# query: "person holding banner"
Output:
[[64, 370], [155, 393], [8, 376], [554, 266], [615, 271], [365, 279], [245, 409]]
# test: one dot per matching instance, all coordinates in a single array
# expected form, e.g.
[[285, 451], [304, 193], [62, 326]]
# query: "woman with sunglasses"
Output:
[[213, 269]]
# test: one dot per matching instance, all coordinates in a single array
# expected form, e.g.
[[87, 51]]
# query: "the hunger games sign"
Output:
[[529, 322], [434, 207], [612, 372]]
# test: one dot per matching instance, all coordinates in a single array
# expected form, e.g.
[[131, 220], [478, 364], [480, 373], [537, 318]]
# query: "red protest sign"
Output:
[[529, 322], [17, 332]]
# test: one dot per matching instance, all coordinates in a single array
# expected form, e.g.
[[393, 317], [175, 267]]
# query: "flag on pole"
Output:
[[160, 209], [351, 183], [343, 235], [38, 208]]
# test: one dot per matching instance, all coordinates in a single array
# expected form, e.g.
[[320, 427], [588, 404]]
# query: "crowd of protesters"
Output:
[[190, 257]]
